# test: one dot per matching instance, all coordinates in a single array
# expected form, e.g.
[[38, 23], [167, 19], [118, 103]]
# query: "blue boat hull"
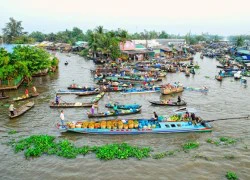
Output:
[[164, 127]]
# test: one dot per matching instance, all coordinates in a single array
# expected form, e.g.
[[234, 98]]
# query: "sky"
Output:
[[223, 17]]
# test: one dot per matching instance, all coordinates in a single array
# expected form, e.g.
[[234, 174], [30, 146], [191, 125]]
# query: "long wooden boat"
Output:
[[78, 87], [23, 109], [124, 106], [69, 105], [87, 93], [98, 97], [72, 91], [162, 103], [140, 91], [113, 113], [142, 126], [4, 97], [171, 90], [24, 97], [131, 79]]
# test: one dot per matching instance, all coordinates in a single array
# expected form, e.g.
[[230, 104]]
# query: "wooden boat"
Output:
[[124, 106], [24, 97], [98, 97], [120, 113], [162, 103], [196, 89], [4, 97], [142, 126], [69, 105], [219, 78], [140, 91], [23, 109], [87, 93], [171, 90], [73, 91], [78, 87]]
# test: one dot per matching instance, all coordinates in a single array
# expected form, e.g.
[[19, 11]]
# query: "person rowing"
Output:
[[179, 99]]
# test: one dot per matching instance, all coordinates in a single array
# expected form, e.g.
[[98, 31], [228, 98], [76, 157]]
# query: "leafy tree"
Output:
[[38, 36], [239, 41], [12, 30]]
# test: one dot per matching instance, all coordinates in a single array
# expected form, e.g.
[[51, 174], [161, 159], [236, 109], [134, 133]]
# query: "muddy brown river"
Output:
[[224, 99]]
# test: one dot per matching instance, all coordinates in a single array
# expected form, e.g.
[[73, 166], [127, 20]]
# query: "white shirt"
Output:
[[62, 116], [11, 108]]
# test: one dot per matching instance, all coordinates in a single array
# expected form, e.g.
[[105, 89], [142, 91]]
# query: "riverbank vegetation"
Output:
[[24, 62]]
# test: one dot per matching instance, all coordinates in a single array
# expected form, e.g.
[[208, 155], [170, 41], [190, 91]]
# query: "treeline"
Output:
[[13, 33]]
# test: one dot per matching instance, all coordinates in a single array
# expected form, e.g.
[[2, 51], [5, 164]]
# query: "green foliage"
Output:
[[121, 151], [229, 156], [24, 61], [23, 40], [37, 145], [54, 62], [231, 175], [12, 132], [222, 140], [12, 30], [37, 36], [190, 145]]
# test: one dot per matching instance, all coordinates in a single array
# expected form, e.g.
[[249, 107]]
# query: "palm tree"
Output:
[[12, 30], [99, 30], [239, 41], [93, 44]]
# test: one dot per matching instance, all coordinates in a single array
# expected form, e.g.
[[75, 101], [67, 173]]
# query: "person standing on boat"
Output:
[[155, 116], [34, 90], [115, 108], [179, 99], [2, 94], [92, 109], [11, 109], [57, 99], [62, 117], [27, 93]]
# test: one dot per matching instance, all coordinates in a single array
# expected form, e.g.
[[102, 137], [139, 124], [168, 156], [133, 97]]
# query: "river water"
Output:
[[224, 99]]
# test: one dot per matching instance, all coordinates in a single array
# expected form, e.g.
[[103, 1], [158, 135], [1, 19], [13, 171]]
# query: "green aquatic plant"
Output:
[[222, 140], [190, 145], [228, 140], [121, 151], [37, 145], [163, 154], [12, 132], [229, 156], [200, 156], [231, 175]]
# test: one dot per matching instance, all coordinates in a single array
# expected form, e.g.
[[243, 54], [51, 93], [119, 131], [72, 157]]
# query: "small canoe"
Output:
[[120, 113], [69, 105], [124, 106], [4, 97], [126, 127], [161, 103], [23, 109], [24, 97]]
